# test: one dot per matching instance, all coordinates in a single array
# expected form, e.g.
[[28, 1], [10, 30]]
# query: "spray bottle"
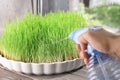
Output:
[[101, 66]]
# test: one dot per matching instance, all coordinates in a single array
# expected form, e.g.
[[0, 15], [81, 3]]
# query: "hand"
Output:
[[101, 40]]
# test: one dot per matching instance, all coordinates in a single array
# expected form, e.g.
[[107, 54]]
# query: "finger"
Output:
[[86, 61], [81, 55], [78, 47], [84, 54]]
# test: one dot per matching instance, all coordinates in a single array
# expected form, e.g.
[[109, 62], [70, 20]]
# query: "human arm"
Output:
[[101, 40]]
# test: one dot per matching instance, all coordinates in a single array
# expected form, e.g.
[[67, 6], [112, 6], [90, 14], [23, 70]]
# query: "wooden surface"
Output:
[[79, 74]]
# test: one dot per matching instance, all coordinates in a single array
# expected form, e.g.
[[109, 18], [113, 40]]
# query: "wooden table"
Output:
[[79, 74]]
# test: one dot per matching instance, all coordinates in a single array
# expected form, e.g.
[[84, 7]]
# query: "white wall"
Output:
[[10, 9]]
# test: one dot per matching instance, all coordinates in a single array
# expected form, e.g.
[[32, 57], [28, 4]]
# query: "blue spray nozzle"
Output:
[[75, 34]]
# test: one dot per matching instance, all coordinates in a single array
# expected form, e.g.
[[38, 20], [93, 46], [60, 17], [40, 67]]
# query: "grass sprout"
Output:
[[30, 39]]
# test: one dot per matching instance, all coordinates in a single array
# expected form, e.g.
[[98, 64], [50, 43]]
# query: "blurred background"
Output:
[[12, 9]]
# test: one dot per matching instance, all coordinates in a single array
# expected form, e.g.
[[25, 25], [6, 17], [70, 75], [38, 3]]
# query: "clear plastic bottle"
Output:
[[101, 66]]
